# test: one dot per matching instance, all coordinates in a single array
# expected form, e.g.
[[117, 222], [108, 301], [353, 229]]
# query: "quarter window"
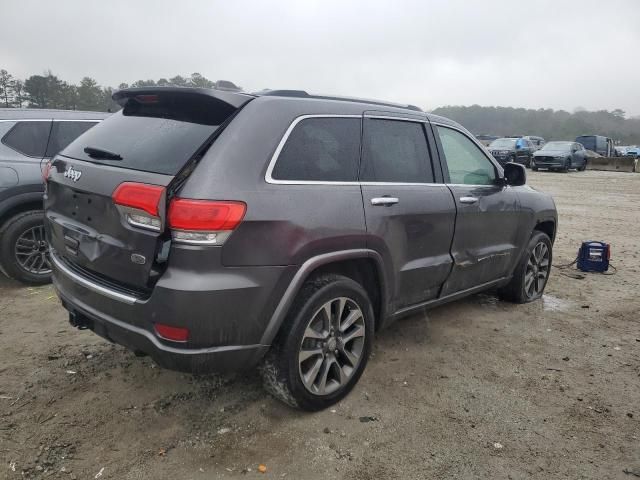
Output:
[[63, 133], [466, 163], [29, 138], [321, 149], [395, 151]]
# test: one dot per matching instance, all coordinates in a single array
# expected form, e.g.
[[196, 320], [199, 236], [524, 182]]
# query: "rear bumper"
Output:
[[198, 360], [226, 313]]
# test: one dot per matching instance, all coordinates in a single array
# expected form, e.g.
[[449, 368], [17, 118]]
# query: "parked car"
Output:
[[537, 142], [632, 152], [514, 149], [560, 156], [216, 230], [27, 138], [621, 150], [486, 139], [597, 143]]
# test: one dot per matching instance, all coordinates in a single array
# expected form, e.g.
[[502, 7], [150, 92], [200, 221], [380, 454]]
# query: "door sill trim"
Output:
[[448, 298]]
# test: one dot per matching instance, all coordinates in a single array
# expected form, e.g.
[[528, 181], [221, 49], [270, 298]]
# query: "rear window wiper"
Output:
[[100, 153]]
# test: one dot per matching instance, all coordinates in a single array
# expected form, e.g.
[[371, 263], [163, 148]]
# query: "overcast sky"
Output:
[[537, 53]]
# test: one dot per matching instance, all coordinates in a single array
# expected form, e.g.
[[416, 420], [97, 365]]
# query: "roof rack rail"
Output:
[[303, 94]]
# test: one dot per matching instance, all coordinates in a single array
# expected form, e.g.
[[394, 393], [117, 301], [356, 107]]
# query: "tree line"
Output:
[[49, 91], [546, 123]]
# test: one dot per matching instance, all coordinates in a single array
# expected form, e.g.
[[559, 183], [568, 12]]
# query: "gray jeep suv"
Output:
[[218, 230], [27, 139]]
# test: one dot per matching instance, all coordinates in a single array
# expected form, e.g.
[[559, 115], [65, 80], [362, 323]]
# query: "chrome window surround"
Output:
[[272, 163]]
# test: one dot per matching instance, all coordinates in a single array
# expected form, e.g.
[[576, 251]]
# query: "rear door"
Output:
[[409, 211], [484, 246], [107, 191]]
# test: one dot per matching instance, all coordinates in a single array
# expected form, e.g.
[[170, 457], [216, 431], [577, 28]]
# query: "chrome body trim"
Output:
[[94, 287]]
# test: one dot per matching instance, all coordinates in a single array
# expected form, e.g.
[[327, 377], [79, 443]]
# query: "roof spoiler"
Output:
[[231, 99]]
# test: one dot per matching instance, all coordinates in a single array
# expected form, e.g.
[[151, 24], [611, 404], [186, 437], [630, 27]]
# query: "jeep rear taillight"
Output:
[[203, 222], [140, 203]]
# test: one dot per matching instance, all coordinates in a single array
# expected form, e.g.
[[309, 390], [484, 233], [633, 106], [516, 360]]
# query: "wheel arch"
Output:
[[365, 266], [19, 204], [548, 227]]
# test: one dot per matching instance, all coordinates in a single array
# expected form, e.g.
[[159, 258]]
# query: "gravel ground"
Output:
[[475, 389]]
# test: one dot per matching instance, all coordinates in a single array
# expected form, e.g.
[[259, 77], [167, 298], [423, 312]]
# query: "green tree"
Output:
[[6, 89], [19, 95], [89, 95], [144, 83], [179, 81], [198, 80]]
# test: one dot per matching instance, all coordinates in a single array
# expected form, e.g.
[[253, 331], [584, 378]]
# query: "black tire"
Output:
[[517, 290], [12, 230], [582, 168], [535, 169], [281, 369], [567, 165]]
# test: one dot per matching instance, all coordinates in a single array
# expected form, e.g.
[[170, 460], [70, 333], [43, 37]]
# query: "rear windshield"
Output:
[[159, 135]]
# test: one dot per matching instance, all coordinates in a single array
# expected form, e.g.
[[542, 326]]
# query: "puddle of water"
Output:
[[554, 304]]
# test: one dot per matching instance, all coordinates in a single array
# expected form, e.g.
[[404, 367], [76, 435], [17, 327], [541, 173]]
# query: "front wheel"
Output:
[[531, 275], [323, 346]]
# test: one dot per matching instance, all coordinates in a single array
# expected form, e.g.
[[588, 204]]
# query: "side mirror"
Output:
[[515, 174]]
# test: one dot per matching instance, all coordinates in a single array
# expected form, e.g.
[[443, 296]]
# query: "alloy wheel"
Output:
[[32, 251], [537, 271], [332, 346]]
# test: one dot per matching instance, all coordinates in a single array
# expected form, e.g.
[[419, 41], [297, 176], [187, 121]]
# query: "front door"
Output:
[[484, 246], [409, 212]]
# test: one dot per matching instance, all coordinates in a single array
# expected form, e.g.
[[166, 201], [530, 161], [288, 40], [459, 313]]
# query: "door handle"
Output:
[[468, 199], [384, 201]]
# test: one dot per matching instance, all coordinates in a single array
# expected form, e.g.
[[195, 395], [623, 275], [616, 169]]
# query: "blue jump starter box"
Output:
[[594, 256]]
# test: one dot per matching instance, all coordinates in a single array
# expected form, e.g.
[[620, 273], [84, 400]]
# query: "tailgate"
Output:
[[148, 147]]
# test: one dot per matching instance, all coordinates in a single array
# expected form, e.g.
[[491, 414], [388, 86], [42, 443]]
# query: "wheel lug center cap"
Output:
[[331, 344]]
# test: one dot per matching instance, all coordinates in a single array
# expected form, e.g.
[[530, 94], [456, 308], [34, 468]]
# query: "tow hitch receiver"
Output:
[[79, 321]]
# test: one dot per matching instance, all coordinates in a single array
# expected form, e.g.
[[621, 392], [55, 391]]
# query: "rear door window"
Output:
[[395, 151], [63, 133], [322, 149], [466, 163], [29, 138], [156, 133]]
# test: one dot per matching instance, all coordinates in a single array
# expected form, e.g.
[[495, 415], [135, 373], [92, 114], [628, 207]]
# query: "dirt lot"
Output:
[[475, 389]]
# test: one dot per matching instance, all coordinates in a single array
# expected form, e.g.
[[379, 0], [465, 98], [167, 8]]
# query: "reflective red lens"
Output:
[[139, 195], [186, 214], [45, 171], [147, 98], [168, 332]]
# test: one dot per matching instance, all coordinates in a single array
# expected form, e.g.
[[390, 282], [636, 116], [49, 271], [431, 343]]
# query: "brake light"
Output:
[[168, 332], [204, 221], [147, 98], [141, 202], [46, 171]]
